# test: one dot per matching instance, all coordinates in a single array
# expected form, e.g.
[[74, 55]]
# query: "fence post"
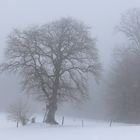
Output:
[[17, 124], [63, 120], [82, 123], [110, 124]]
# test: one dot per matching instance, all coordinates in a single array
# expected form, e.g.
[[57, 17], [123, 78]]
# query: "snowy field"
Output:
[[72, 130]]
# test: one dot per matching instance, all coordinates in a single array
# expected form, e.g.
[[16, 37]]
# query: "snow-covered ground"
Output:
[[72, 130]]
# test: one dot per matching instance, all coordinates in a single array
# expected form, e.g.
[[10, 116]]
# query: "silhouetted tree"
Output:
[[124, 82], [130, 27], [54, 61]]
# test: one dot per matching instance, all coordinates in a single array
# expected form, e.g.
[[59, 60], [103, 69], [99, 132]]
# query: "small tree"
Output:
[[19, 112]]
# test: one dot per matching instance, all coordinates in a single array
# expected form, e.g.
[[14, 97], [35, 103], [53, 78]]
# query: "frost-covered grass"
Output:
[[72, 130]]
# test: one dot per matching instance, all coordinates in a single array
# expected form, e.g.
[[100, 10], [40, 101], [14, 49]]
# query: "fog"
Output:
[[101, 16]]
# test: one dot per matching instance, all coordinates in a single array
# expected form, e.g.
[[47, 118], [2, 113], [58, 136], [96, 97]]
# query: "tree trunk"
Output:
[[52, 111], [53, 100], [51, 116]]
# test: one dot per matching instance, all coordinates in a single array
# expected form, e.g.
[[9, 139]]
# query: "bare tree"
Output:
[[124, 81], [20, 112], [54, 61], [123, 93], [130, 27]]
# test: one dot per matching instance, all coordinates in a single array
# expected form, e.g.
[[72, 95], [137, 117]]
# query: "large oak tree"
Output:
[[54, 61]]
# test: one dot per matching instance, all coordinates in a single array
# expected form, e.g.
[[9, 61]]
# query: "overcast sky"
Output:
[[101, 15]]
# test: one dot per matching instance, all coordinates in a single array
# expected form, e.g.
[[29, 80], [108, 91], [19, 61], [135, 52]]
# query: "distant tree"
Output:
[[20, 112], [130, 27], [124, 81], [124, 87], [54, 61]]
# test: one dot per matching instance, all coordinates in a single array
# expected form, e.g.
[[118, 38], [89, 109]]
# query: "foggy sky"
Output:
[[101, 15]]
